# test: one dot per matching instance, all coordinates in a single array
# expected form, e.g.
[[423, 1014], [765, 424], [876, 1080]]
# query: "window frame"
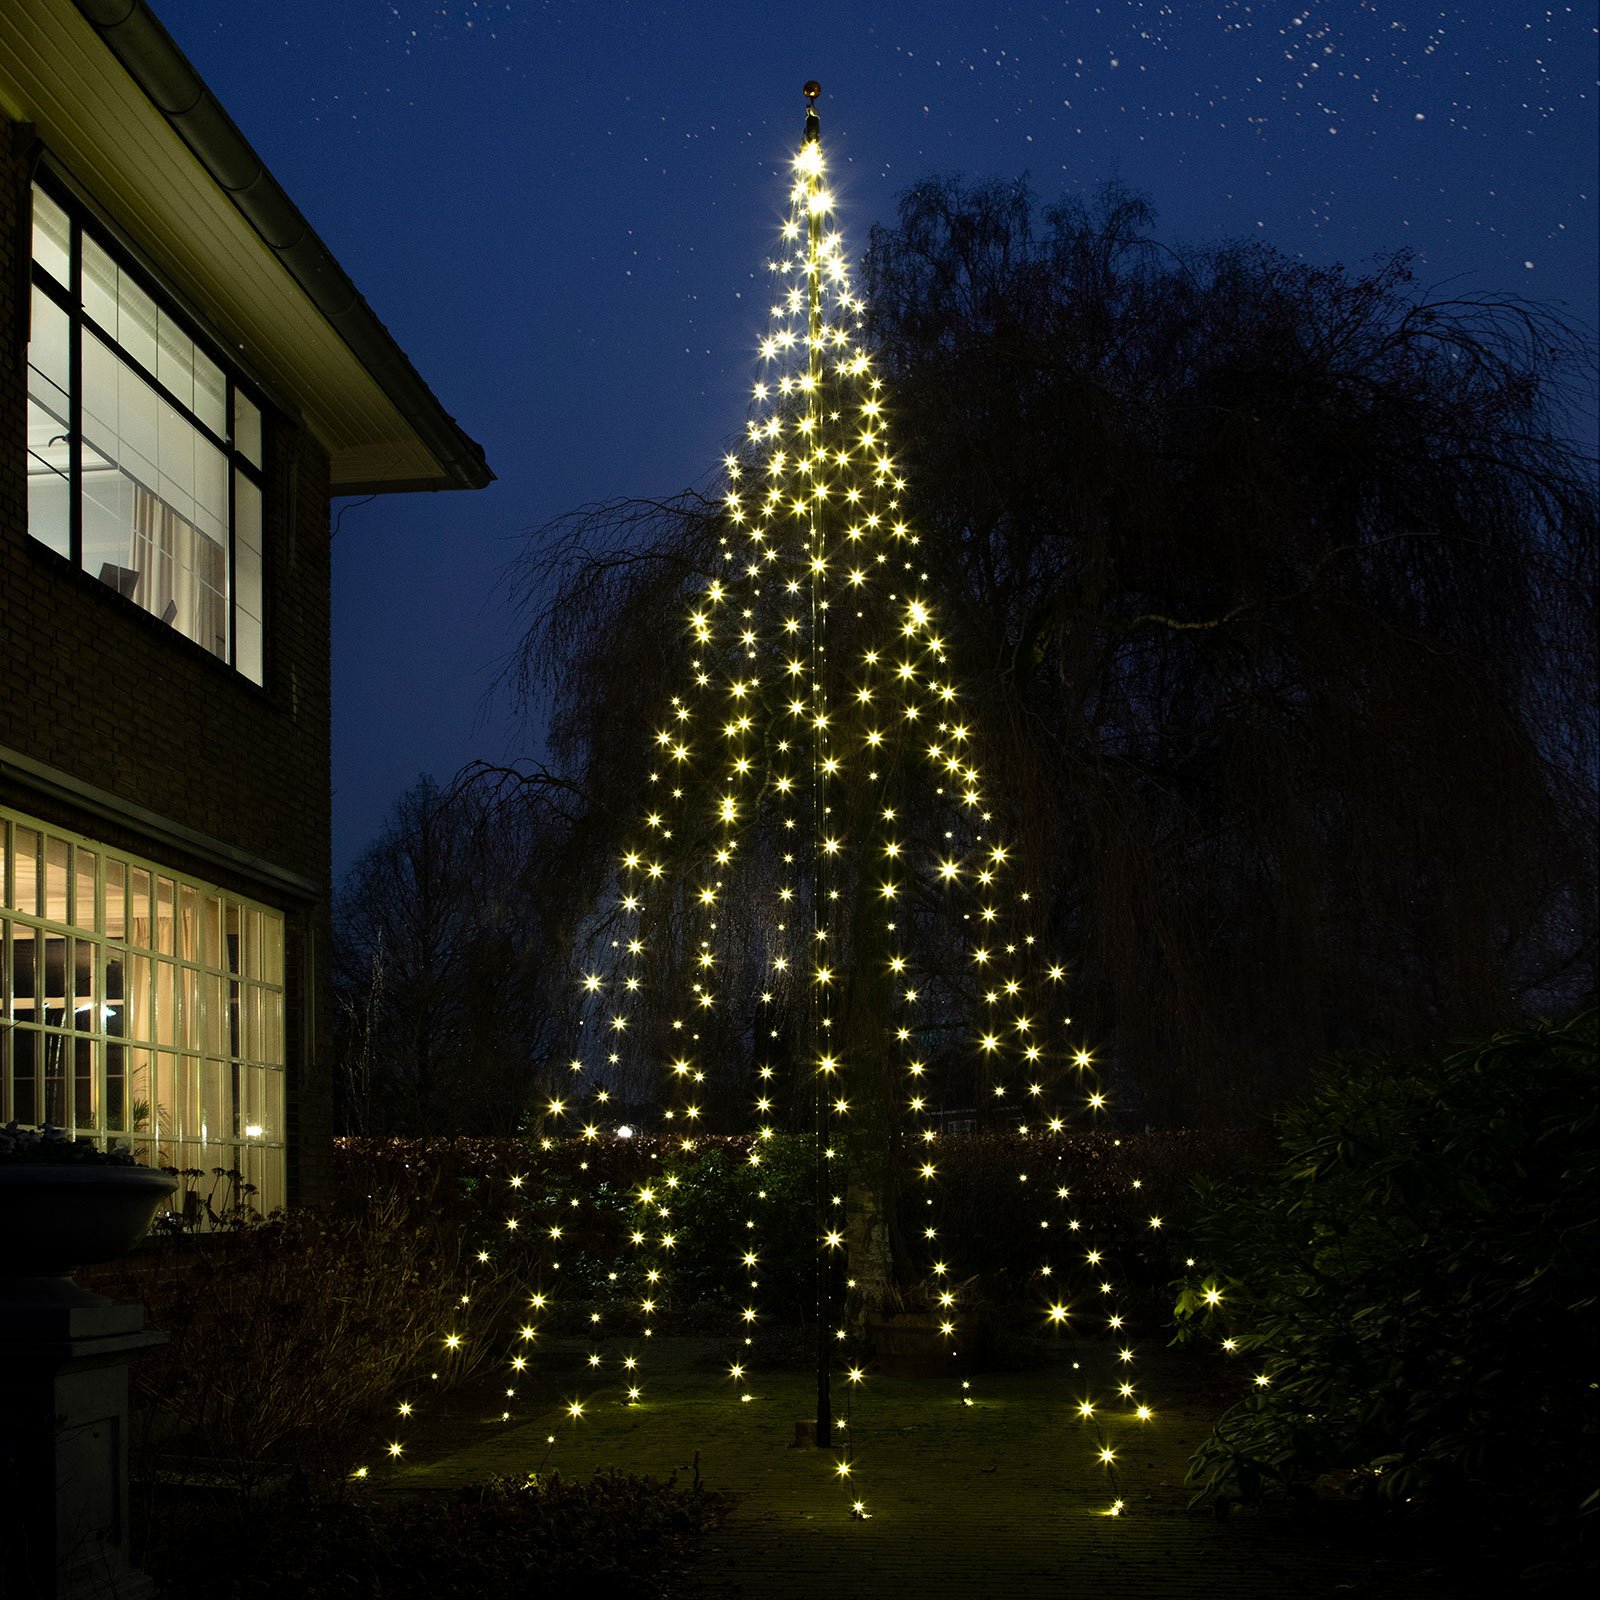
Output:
[[210, 1012], [68, 299]]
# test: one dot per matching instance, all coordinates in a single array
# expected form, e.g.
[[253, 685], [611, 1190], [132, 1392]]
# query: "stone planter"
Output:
[[55, 1219], [912, 1344], [64, 1356]]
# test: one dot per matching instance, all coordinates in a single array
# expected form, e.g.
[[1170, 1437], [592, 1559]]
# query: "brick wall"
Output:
[[99, 690]]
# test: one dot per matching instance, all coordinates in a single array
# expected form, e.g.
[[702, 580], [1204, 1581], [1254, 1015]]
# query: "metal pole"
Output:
[[819, 794]]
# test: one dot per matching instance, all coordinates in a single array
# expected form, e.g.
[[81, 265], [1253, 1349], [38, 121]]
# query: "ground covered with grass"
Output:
[[992, 1488]]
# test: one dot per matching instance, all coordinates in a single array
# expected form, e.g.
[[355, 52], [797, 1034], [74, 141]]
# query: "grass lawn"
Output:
[[996, 1489]]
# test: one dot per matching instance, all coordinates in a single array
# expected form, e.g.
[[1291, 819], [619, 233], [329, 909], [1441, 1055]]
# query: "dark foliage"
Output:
[[989, 1190], [614, 1535], [1415, 1276], [1273, 581]]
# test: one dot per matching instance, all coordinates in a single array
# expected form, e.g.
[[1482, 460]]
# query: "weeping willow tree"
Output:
[[1267, 587]]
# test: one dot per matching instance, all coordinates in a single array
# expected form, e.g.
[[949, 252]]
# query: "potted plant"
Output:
[[65, 1203]]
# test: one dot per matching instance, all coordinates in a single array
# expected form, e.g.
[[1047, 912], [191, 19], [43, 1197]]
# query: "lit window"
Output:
[[144, 453], [141, 1007]]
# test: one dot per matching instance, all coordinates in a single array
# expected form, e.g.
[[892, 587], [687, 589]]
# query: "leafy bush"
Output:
[[992, 1194], [505, 1196], [614, 1535], [1415, 1281], [996, 1190], [717, 1195]]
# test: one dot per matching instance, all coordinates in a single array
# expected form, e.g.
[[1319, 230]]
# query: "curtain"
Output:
[[183, 574], [162, 999]]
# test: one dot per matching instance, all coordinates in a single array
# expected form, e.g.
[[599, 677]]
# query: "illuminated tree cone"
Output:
[[819, 917]]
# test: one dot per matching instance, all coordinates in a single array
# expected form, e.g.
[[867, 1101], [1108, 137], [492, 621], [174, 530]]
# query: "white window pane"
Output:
[[175, 361], [246, 515], [155, 494], [174, 495], [190, 582], [263, 1170], [272, 1104], [49, 451], [210, 394], [108, 541], [136, 322], [203, 604], [102, 402], [99, 285], [138, 425], [247, 644], [49, 441], [262, 1093], [50, 508], [176, 459], [247, 577], [246, 429], [51, 238], [48, 448], [216, 1108], [210, 489], [47, 354]]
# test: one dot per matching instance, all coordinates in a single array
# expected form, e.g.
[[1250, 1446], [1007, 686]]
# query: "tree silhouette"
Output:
[[1280, 581], [440, 968], [1266, 590]]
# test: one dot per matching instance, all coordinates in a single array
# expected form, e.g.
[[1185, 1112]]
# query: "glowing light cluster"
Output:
[[819, 903]]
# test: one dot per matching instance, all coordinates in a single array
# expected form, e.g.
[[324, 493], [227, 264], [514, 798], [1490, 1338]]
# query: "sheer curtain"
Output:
[[164, 1022], [184, 575]]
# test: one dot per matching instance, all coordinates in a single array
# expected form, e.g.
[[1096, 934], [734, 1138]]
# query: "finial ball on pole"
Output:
[[812, 89]]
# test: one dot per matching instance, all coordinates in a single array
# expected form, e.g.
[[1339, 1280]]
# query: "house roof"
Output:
[[117, 105]]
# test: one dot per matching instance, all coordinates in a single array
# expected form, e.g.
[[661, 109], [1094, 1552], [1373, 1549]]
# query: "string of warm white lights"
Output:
[[819, 909]]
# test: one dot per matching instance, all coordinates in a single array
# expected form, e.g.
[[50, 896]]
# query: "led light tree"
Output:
[[818, 916]]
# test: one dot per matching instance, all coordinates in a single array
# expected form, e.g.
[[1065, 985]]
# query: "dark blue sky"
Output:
[[562, 210]]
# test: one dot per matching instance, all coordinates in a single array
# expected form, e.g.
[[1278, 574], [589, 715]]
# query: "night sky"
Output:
[[562, 210]]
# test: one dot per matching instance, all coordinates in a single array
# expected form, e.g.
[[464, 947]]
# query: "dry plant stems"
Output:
[[284, 1339]]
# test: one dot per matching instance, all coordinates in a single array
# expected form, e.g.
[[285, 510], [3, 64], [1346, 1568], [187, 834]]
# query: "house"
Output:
[[188, 377]]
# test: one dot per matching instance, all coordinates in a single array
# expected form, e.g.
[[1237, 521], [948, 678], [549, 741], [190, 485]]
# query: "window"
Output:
[[144, 451], [139, 1005]]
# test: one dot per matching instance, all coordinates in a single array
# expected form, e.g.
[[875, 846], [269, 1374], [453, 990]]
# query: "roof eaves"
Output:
[[147, 51]]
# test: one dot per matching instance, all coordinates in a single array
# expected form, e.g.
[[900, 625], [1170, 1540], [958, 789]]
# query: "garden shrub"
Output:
[[283, 1338], [996, 1188], [717, 1195], [614, 1534], [587, 1188], [1414, 1279]]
